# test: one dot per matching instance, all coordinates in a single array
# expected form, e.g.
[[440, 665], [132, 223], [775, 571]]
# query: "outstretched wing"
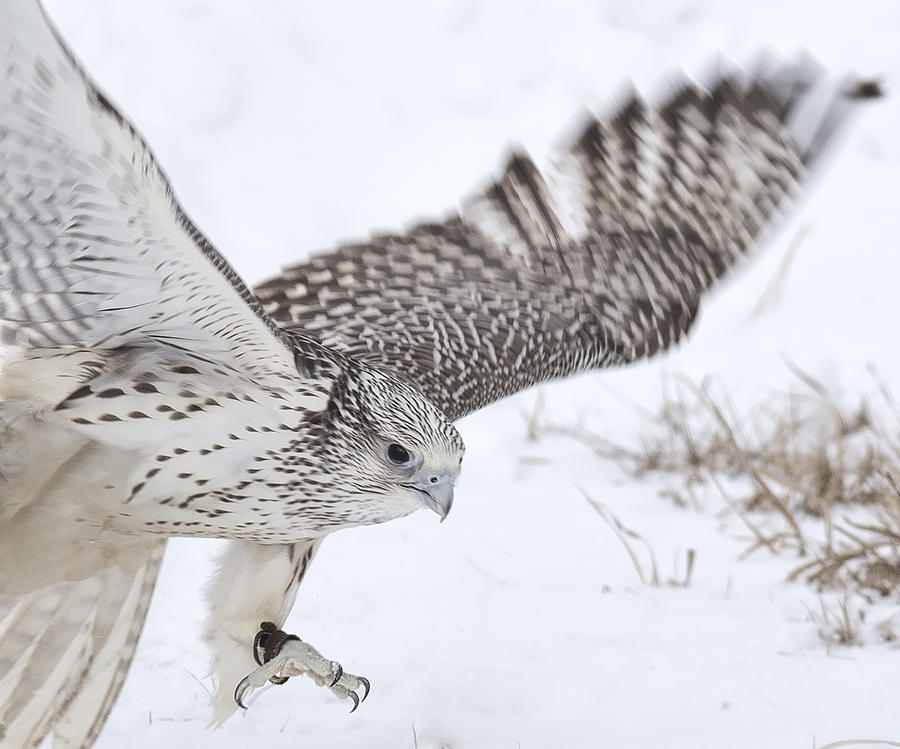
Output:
[[659, 203], [95, 250]]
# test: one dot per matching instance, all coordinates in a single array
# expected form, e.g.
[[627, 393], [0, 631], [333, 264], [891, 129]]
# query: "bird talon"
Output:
[[240, 690], [280, 656]]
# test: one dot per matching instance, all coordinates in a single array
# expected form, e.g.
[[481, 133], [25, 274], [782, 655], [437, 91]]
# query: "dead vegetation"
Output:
[[641, 552], [807, 471], [838, 622]]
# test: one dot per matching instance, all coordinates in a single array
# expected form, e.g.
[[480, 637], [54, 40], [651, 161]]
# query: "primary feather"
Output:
[[147, 393]]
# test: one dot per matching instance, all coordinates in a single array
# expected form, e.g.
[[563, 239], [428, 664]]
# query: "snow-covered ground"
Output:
[[519, 622]]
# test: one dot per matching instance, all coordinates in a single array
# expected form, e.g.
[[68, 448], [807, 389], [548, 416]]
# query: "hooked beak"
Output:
[[437, 493]]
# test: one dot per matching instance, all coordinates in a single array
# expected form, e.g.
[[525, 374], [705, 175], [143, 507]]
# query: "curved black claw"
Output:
[[338, 672], [365, 682], [240, 690], [352, 696]]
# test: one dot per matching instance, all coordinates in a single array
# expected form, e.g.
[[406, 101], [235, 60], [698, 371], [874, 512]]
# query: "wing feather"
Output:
[[95, 250], [65, 650], [533, 280]]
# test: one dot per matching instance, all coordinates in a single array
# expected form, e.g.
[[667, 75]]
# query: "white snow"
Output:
[[520, 622]]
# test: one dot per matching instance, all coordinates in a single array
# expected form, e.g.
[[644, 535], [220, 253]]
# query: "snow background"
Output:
[[519, 622]]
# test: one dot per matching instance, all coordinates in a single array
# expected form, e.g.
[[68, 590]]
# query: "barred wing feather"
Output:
[[95, 250], [532, 280]]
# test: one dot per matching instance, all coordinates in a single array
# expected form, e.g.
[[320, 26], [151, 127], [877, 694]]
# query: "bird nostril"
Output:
[[434, 479]]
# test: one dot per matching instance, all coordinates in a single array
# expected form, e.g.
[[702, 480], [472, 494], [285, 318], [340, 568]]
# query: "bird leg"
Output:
[[254, 583], [281, 656]]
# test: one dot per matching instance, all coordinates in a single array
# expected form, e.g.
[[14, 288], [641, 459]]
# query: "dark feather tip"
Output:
[[870, 88]]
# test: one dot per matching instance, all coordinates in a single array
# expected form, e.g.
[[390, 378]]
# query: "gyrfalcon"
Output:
[[146, 392]]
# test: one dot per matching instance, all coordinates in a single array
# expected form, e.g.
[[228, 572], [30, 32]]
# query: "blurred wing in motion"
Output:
[[602, 266]]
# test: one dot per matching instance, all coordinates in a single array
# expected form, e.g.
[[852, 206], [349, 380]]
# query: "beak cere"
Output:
[[438, 495]]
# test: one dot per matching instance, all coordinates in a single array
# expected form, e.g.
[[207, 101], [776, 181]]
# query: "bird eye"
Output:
[[398, 454]]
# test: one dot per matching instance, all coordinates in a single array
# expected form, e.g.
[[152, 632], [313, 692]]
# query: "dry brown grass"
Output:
[[838, 622], [808, 472], [641, 552]]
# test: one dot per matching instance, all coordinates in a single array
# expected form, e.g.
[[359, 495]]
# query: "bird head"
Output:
[[402, 451]]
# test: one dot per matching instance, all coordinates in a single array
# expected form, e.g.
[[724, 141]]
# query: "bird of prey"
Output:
[[146, 392]]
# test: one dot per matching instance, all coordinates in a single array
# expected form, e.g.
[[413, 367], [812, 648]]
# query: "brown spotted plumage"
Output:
[[601, 264], [146, 392]]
